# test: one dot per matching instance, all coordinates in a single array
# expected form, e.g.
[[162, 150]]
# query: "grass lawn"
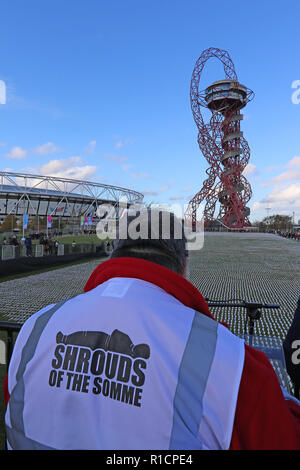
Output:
[[68, 239], [80, 239]]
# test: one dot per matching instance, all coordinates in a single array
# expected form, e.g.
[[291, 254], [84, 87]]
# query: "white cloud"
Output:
[[16, 153], [162, 189], [272, 168], [291, 193], [256, 206], [140, 175], [99, 179], [250, 168], [150, 193], [292, 173], [114, 158], [91, 147], [285, 176], [71, 168], [176, 198], [294, 162], [46, 149], [68, 168], [281, 200], [125, 166], [121, 142]]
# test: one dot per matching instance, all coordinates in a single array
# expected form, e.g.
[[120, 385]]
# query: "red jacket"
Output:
[[264, 420]]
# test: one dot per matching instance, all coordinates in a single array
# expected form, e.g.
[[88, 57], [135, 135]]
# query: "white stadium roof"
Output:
[[22, 193]]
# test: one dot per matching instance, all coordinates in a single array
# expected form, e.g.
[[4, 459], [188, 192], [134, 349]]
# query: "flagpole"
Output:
[[25, 223]]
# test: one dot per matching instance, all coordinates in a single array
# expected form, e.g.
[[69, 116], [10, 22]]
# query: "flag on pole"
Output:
[[25, 221], [49, 221], [124, 213], [82, 220]]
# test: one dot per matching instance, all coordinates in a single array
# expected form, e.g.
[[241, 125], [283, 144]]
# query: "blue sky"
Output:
[[100, 91]]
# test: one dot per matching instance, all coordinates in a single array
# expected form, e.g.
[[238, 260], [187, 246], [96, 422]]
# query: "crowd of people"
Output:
[[50, 244], [291, 235]]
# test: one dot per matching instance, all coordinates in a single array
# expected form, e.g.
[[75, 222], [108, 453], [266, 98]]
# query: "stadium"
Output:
[[58, 198]]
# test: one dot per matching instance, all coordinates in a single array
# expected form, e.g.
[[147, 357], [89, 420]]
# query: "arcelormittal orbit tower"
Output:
[[222, 143]]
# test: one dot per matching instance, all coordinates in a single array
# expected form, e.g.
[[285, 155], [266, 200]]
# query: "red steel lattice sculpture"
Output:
[[222, 144]]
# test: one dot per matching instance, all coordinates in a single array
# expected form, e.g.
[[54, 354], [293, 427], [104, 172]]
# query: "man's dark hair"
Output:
[[161, 238]]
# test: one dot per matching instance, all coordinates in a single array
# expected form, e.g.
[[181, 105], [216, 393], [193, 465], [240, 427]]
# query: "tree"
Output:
[[278, 222], [56, 223], [8, 224], [261, 225], [34, 223]]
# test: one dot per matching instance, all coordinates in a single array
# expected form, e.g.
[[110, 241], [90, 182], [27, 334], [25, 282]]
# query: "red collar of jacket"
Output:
[[168, 280]]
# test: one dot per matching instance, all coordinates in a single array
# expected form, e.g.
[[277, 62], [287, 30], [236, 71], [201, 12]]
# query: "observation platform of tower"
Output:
[[228, 97], [225, 94]]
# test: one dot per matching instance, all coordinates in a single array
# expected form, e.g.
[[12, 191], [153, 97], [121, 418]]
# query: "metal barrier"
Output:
[[60, 250], [39, 250], [20, 251], [8, 252]]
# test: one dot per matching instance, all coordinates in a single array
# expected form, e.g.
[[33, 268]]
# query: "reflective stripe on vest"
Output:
[[205, 420], [15, 435], [193, 375], [18, 441]]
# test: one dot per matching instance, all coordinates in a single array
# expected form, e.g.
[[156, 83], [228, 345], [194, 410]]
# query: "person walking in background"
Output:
[[28, 244], [46, 246], [51, 246]]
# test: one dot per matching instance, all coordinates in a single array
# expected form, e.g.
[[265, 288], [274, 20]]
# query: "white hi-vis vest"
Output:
[[123, 366]]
